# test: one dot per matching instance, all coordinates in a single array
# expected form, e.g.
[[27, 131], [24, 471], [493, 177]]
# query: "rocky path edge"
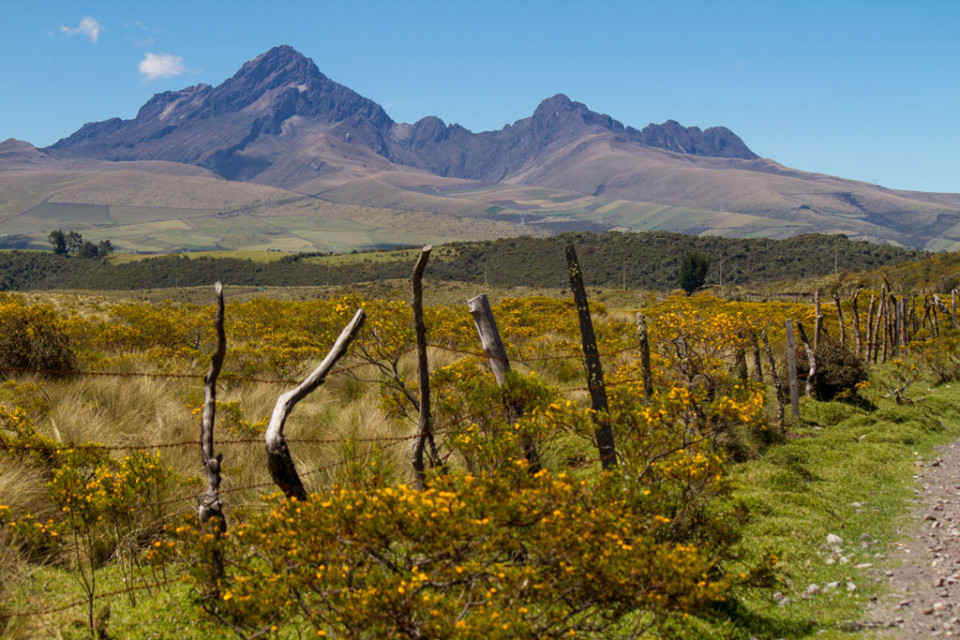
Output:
[[924, 565]]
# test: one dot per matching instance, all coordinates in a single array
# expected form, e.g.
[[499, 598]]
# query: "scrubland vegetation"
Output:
[[626, 260], [715, 503]]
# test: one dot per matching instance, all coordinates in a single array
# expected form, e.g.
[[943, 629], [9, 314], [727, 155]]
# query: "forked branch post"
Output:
[[279, 461]]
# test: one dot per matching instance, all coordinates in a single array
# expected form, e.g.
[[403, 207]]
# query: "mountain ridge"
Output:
[[281, 123], [214, 127]]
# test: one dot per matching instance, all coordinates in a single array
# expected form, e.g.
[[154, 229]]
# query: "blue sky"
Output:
[[868, 90]]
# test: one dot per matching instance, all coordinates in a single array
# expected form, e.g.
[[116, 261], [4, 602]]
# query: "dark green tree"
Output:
[[59, 242], [74, 240], [693, 271], [88, 250], [105, 247]]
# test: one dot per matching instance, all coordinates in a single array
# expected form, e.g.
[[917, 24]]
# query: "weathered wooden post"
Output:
[[279, 461], [817, 320], [740, 362], [893, 324], [843, 330], [792, 371], [777, 385], [500, 365], [871, 333], [424, 424], [598, 392], [210, 507], [904, 328], [811, 358], [757, 359], [856, 322], [913, 317], [935, 307], [885, 327], [953, 309], [877, 326], [644, 340]]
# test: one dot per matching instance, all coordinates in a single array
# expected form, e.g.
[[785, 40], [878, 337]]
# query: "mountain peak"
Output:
[[559, 101], [278, 66]]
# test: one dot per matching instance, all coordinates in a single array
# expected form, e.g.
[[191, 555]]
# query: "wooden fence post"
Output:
[[843, 330], [279, 461], [643, 339], [598, 392], [953, 309], [877, 326], [424, 424], [792, 371], [811, 358], [211, 505], [885, 326], [817, 320], [936, 308], [500, 365], [740, 362], [777, 385], [904, 328], [757, 359], [856, 322]]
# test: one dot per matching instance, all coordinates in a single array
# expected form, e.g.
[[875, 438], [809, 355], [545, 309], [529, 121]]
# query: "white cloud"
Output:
[[88, 26], [161, 65]]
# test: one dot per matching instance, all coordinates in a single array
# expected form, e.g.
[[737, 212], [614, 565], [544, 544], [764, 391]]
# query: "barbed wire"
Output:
[[79, 603], [6, 446], [235, 377]]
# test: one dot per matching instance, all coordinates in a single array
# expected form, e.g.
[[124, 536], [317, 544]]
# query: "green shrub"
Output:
[[839, 371]]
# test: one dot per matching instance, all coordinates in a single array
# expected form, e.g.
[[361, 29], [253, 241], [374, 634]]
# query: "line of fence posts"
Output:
[[891, 322], [888, 323], [894, 317]]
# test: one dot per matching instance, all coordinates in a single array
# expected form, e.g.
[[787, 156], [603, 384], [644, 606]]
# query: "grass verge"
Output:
[[845, 471]]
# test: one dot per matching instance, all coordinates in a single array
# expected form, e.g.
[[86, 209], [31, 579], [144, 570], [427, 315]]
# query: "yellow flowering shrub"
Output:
[[34, 337], [503, 555]]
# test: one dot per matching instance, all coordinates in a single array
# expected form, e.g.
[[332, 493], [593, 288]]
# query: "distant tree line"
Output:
[[651, 261], [72, 241]]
